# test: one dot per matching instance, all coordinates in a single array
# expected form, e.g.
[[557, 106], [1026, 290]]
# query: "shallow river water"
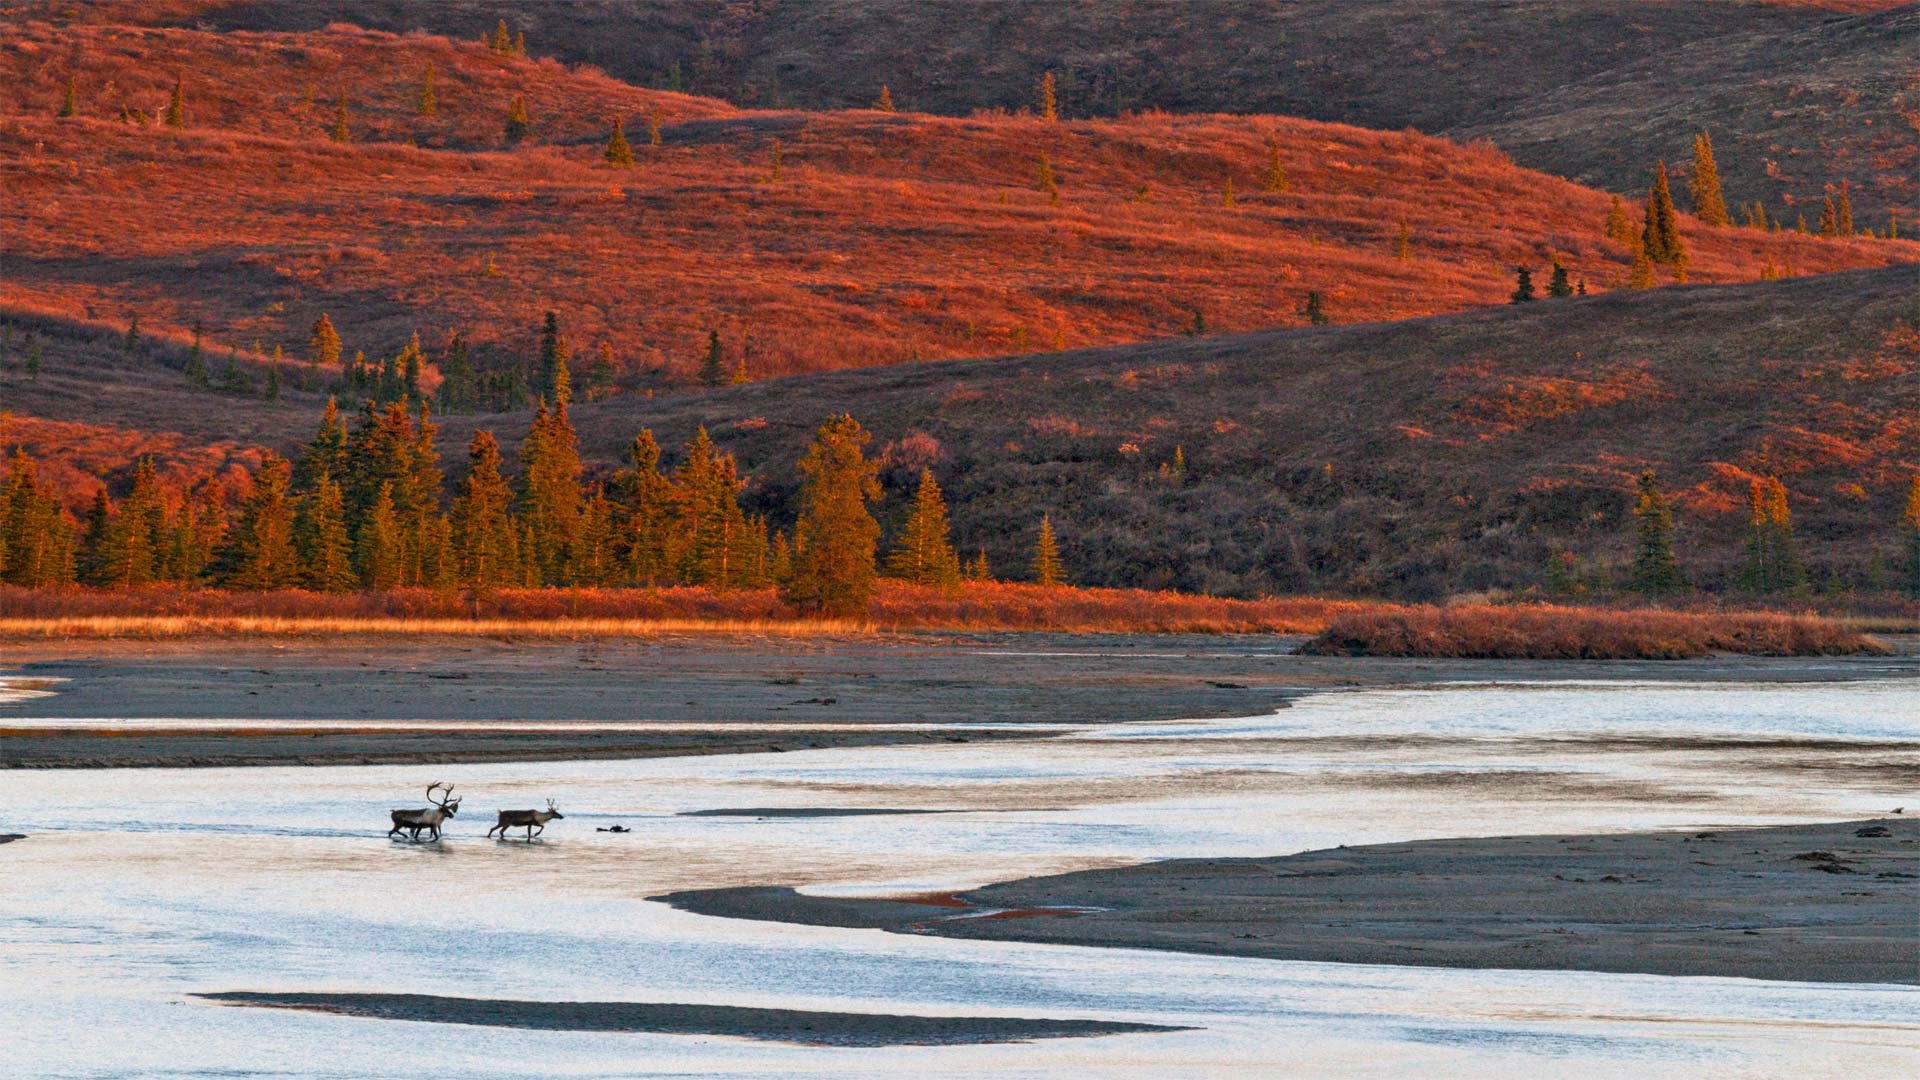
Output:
[[138, 888]]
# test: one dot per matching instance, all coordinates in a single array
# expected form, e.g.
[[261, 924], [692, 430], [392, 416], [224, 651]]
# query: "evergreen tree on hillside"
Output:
[[1049, 100], [647, 509], [1660, 237], [1620, 224], [36, 535], [321, 540], [518, 124], [1708, 204], [259, 552], [1910, 527], [272, 392], [90, 563], [484, 544], [325, 454], [379, 553], [1315, 309], [713, 370], [69, 99], [775, 171], [1559, 285], [339, 132], [323, 344], [1641, 276], [924, 552], [501, 40], [653, 128], [978, 570], [195, 368], [1523, 286], [1403, 243], [1843, 211], [1655, 570], [429, 101], [885, 102], [618, 154], [1044, 180], [1046, 555], [600, 376], [833, 558], [552, 363], [1829, 219], [177, 104], [1276, 181], [549, 504], [1773, 564], [459, 389]]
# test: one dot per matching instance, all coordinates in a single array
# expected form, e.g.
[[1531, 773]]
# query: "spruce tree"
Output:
[[36, 536], [195, 369], [96, 533], [1523, 286], [1559, 285], [653, 128], [600, 376], [1276, 182], [177, 104], [339, 132], [885, 102], [833, 560], [550, 495], [323, 344], [501, 40], [321, 540], [1661, 235], [34, 354], [1655, 570], [325, 454], [978, 570], [1910, 527], [379, 551], [1315, 309], [483, 533], [1829, 219], [775, 172], [429, 101], [1046, 555], [1708, 204], [1773, 564], [713, 365], [69, 99], [459, 391], [648, 504], [551, 369], [1620, 224], [1403, 243], [924, 552], [1049, 100], [518, 124], [1044, 180], [618, 154], [1843, 211], [1641, 276], [272, 392], [259, 551], [594, 563]]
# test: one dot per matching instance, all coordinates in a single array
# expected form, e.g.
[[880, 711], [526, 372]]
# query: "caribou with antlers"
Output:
[[534, 820], [415, 820]]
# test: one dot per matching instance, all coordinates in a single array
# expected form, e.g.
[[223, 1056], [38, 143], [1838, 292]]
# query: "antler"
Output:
[[446, 796], [550, 805], [430, 788]]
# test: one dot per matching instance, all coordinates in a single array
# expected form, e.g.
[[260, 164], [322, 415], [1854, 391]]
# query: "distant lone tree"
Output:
[[1910, 526], [1049, 99], [713, 371], [1655, 570], [653, 128], [177, 104], [885, 101], [1661, 235], [1708, 204], [618, 154], [340, 133], [1620, 224], [1226, 196], [196, 366], [1044, 179], [1843, 210], [1403, 243], [1046, 555], [1275, 181], [1522, 287], [924, 553], [833, 561], [1829, 218], [69, 99], [518, 124], [501, 40], [1315, 309], [775, 172], [429, 102], [1559, 284], [323, 344]]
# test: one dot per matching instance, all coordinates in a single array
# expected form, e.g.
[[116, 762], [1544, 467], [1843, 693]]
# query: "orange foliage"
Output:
[[1562, 633]]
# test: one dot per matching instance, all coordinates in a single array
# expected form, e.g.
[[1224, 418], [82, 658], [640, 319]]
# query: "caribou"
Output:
[[430, 819], [534, 820]]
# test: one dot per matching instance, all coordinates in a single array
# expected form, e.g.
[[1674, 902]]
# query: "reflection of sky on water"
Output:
[[140, 886]]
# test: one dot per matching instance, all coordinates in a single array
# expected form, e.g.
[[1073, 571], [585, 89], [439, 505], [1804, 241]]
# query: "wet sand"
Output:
[[935, 679], [781, 1025], [1817, 903]]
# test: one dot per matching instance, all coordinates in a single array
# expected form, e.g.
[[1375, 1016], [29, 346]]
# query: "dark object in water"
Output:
[[613, 828]]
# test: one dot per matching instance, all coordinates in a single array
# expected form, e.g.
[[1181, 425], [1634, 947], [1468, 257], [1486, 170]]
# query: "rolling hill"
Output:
[[1798, 95], [888, 237]]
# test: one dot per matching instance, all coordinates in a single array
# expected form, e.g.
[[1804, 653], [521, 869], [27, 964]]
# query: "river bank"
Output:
[[1805, 903], [787, 693]]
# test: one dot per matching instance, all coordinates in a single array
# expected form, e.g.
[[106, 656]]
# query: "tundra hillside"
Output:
[[1798, 93]]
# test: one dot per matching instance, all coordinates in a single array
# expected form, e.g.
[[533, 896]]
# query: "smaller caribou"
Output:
[[534, 820], [430, 819]]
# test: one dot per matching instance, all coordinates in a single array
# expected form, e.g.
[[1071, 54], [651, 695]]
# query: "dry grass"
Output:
[[175, 612], [1563, 633]]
